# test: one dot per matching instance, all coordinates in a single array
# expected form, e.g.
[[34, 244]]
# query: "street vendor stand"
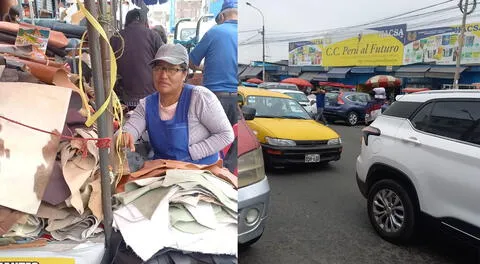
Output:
[[91, 244]]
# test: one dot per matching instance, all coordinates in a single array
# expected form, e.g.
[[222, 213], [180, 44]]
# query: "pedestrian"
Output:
[[218, 47], [183, 122], [135, 48], [320, 100], [161, 31], [374, 106]]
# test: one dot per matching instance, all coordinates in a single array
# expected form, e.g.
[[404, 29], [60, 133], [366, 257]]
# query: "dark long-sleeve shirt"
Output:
[[141, 45]]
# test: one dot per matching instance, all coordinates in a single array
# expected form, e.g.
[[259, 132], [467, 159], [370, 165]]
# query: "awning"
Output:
[[241, 69], [363, 70], [251, 72], [443, 72], [338, 73], [321, 77], [386, 68], [294, 70], [417, 71], [309, 76]]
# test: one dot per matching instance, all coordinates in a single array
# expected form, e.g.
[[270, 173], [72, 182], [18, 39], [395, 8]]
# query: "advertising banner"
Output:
[[440, 45], [372, 47], [305, 53]]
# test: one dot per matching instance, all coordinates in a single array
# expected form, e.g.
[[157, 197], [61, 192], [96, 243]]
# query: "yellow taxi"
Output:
[[286, 131]]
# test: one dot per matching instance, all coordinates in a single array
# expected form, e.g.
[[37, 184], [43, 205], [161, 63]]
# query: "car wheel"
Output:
[[391, 211], [352, 118]]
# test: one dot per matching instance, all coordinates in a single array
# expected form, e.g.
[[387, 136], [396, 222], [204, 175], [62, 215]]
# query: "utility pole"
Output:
[[95, 46], [464, 9], [263, 40]]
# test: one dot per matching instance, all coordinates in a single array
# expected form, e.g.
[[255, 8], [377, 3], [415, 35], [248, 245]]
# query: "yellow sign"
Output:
[[366, 50], [381, 46], [29, 260]]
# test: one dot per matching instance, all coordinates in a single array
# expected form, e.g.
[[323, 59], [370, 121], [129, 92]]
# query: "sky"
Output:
[[283, 17]]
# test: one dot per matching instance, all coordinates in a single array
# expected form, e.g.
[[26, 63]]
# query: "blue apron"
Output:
[[170, 139]]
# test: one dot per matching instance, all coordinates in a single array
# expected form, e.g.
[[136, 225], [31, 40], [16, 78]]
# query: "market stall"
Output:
[[67, 194]]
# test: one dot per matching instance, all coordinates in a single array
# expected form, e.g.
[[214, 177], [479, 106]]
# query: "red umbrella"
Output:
[[255, 80], [298, 82], [336, 84], [383, 81]]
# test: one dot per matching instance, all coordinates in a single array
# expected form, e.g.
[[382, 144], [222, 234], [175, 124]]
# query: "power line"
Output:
[[383, 19], [352, 30]]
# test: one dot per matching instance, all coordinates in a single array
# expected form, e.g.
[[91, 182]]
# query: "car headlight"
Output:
[[335, 141], [280, 142], [250, 168]]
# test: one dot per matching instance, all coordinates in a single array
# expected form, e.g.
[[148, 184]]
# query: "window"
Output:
[[275, 107], [420, 121], [300, 97], [331, 98], [354, 98], [457, 120], [402, 109]]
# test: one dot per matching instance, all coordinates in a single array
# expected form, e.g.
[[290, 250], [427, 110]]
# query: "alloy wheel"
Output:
[[388, 210]]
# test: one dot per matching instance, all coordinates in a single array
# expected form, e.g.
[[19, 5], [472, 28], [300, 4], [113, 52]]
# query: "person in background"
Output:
[[375, 106], [138, 49], [5, 8], [219, 48], [161, 31], [183, 122], [320, 99]]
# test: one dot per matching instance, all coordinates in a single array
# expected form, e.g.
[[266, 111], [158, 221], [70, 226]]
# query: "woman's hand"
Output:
[[126, 141]]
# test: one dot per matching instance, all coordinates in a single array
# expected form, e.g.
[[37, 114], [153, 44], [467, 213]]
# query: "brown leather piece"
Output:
[[57, 39], [48, 74], [156, 168], [8, 217], [25, 53]]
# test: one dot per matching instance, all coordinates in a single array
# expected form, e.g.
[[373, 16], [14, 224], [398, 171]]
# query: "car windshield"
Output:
[[274, 85], [300, 97], [275, 107], [287, 86]]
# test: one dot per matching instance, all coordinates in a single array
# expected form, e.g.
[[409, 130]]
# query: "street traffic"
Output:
[[318, 215]]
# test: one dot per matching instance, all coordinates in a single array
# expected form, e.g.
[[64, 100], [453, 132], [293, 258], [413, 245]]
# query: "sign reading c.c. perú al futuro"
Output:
[[376, 46]]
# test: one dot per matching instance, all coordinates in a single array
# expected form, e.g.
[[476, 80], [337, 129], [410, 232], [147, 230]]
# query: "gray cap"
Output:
[[172, 53]]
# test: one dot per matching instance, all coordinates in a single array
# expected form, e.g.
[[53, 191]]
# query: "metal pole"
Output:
[[263, 40], [263, 47], [32, 15], [460, 45], [120, 27], [96, 60], [113, 11]]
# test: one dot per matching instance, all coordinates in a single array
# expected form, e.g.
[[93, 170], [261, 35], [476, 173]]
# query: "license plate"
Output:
[[312, 158]]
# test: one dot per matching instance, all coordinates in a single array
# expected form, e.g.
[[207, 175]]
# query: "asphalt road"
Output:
[[317, 215]]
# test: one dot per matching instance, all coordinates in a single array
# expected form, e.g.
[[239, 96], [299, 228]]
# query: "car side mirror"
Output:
[[248, 112]]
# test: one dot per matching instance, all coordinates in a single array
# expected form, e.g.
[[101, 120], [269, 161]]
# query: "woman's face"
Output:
[[168, 78]]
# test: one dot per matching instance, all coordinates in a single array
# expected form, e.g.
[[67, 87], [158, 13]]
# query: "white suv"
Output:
[[420, 158]]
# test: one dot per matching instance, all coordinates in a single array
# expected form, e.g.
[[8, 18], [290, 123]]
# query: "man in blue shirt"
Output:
[[320, 98], [219, 49]]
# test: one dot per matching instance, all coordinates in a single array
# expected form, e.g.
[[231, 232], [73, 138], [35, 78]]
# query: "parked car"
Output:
[[301, 98], [421, 160], [254, 190], [347, 106], [277, 85], [287, 133]]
